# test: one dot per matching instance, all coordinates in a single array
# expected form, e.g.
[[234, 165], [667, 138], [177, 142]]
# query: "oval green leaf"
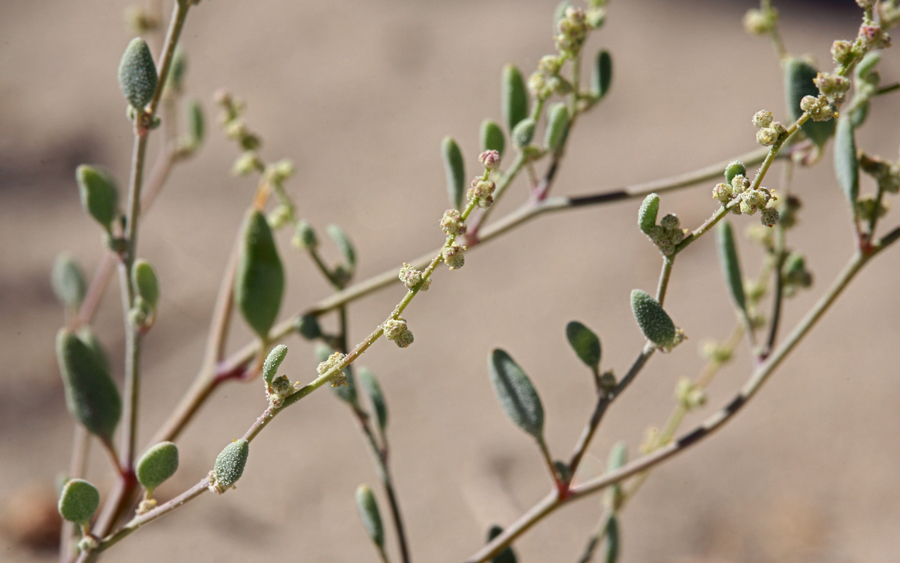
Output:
[[603, 70], [78, 501], [143, 277], [99, 196], [456, 171], [647, 213], [373, 390], [492, 138], [585, 343], [557, 125], [137, 74], [846, 162], [230, 464], [653, 321], [611, 554], [731, 265], [370, 515], [259, 280], [91, 396], [516, 394], [68, 281], [157, 465], [342, 241], [514, 97], [523, 133], [273, 361]]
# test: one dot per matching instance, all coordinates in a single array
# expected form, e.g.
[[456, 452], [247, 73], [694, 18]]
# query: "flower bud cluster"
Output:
[[689, 395], [768, 132], [453, 256], [546, 80], [236, 129], [667, 234], [332, 362], [832, 87], [280, 389], [760, 22], [887, 174], [572, 30], [743, 199], [398, 331], [818, 107], [452, 223], [412, 277], [795, 275], [481, 192]]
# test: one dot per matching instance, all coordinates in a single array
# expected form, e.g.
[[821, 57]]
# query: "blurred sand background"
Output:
[[359, 95]]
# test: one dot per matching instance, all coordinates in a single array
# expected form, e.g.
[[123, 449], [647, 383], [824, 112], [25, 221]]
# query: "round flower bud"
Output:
[[767, 136], [453, 256], [394, 327], [412, 277], [722, 192], [769, 217], [490, 159], [842, 52], [550, 64], [452, 224], [762, 119], [670, 222]]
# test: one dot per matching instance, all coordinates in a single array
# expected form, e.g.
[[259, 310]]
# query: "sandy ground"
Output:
[[359, 95]]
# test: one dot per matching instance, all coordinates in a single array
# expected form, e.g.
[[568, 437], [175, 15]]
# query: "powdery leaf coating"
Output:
[[653, 321], [648, 212], [516, 394], [373, 390], [137, 73], [585, 343], [492, 138], [505, 556], [144, 278], [259, 280], [370, 515], [157, 465], [731, 266], [68, 281], [91, 396], [230, 465], [603, 71], [78, 501], [798, 81], [514, 97], [99, 196], [273, 361], [846, 162], [456, 171], [557, 125]]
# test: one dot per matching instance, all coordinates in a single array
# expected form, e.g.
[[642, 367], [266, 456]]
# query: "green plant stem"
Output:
[[759, 376], [205, 383], [664, 275]]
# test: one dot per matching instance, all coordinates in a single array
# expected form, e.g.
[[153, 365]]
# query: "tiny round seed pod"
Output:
[[523, 133], [273, 361], [733, 169], [137, 73], [99, 196], [144, 279], [647, 213], [157, 465], [653, 321], [230, 465], [78, 501]]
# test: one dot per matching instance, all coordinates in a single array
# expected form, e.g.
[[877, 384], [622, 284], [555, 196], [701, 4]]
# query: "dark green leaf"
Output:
[[91, 395], [654, 322], [373, 390], [514, 97], [370, 515], [603, 70], [846, 163], [505, 556], [516, 394], [99, 196], [585, 343], [612, 540], [137, 73], [456, 172], [492, 138], [259, 280], [798, 78], [731, 265]]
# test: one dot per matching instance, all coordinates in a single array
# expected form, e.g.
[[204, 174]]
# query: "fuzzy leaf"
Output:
[[731, 265], [585, 343], [456, 172], [259, 280], [91, 396], [514, 97], [557, 125], [373, 390], [230, 464], [523, 133], [654, 322], [492, 138], [342, 241], [99, 196], [78, 501], [370, 515], [516, 394], [798, 78], [846, 163], [68, 281], [505, 556], [612, 540], [157, 465], [603, 70], [273, 361], [87, 335], [144, 279], [648, 212], [137, 74]]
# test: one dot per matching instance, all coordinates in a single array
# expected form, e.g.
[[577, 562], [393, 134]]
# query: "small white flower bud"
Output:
[[722, 192], [452, 223], [490, 159], [762, 119], [412, 277], [394, 327], [453, 256]]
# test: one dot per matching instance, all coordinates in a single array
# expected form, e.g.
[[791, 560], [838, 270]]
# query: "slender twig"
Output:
[[759, 376]]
